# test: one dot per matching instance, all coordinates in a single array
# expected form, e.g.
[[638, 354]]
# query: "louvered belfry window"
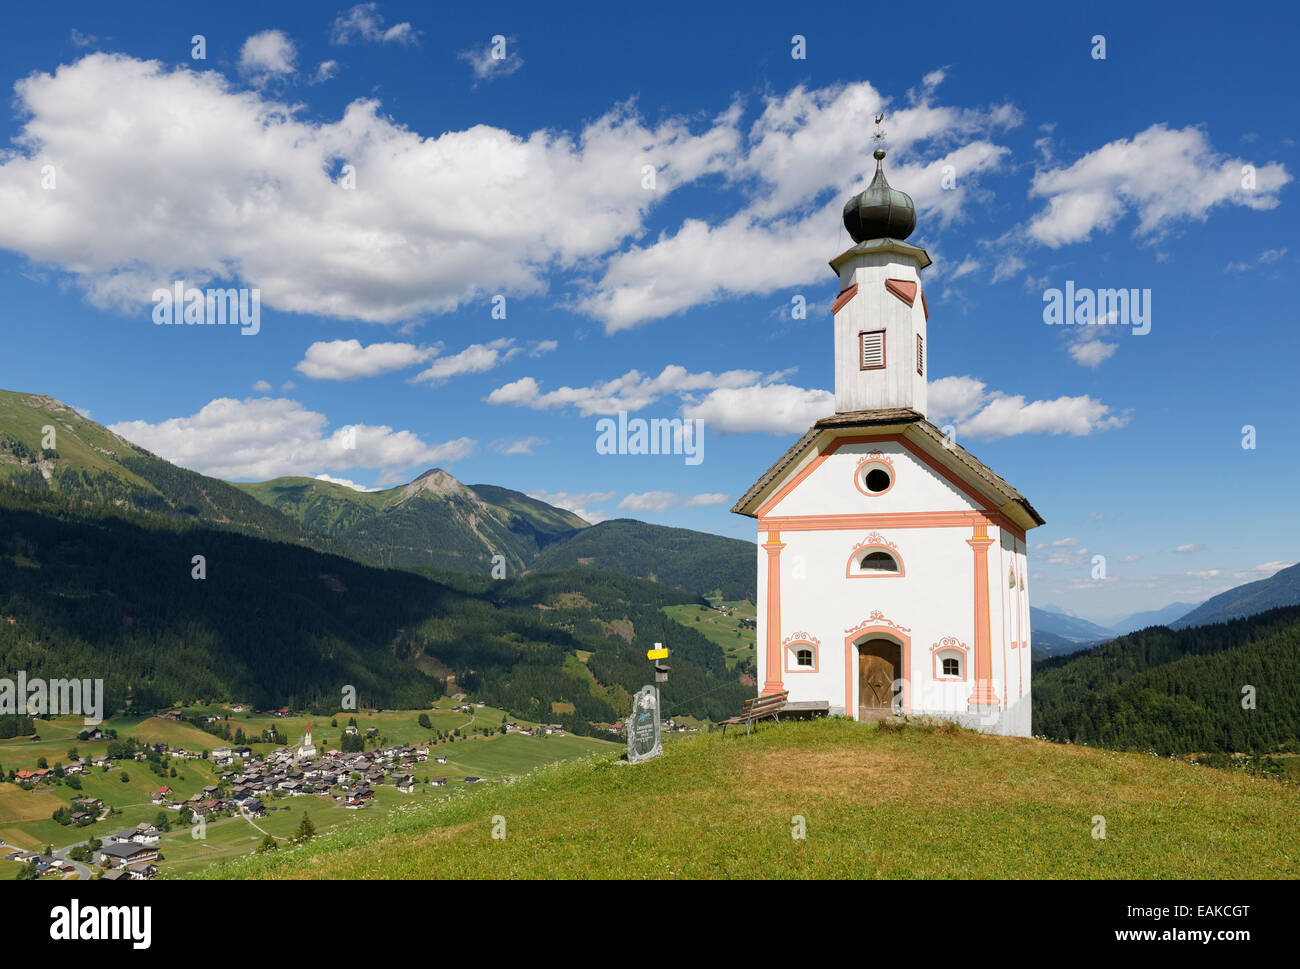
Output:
[[872, 354], [920, 355]]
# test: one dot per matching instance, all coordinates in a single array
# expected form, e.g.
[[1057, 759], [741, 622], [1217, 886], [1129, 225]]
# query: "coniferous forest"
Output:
[[92, 590], [1225, 688]]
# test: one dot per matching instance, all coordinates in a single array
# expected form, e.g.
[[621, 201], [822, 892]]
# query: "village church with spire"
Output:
[[893, 571]]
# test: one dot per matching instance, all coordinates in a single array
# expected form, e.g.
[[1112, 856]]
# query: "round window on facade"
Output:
[[877, 479]]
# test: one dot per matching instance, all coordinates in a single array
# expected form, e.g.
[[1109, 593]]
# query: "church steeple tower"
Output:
[[880, 313]]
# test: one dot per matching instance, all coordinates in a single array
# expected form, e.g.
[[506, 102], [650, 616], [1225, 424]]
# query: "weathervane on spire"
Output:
[[879, 136]]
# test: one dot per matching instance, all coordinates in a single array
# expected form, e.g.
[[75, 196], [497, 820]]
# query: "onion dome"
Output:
[[880, 212]]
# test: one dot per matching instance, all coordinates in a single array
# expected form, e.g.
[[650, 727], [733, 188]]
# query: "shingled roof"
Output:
[[909, 420]]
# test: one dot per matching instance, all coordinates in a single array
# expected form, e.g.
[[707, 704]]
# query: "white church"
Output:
[[892, 564]]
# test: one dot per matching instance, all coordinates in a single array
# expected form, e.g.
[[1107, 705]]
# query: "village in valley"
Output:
[[170, 794], [173, 792]]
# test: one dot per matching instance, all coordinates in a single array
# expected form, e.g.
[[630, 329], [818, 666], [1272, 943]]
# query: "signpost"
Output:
[[644, 741]]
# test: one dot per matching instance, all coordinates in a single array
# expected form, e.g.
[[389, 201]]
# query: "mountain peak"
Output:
[[436, 481]]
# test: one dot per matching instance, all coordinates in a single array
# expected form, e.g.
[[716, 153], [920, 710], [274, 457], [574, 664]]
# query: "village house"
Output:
[[122, 854]]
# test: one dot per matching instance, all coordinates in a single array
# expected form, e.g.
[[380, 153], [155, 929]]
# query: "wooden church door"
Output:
[[878, 667]]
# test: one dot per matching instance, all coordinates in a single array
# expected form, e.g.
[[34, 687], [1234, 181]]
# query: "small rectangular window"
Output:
[[872, 349], [920, 355]]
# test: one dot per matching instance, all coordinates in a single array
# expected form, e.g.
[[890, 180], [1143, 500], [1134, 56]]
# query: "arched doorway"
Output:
[[879, 668]]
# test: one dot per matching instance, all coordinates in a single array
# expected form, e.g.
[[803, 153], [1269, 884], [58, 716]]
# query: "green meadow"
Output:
[[737, 642], [869, 802]]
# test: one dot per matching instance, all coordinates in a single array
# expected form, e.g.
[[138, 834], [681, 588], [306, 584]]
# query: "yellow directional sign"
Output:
[[656, 654]]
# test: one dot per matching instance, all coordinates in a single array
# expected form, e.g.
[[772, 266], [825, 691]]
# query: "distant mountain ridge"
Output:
[[1066, 626], [1056, 634], [438, 523], [1152, 617], [1280, 589], [1059, 634], [433, 523]]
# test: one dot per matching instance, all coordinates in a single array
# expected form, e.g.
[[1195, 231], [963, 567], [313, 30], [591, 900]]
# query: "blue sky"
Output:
[[1032, 162]]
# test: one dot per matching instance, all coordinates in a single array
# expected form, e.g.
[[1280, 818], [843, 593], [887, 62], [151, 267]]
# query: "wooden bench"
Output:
[[756, 709]]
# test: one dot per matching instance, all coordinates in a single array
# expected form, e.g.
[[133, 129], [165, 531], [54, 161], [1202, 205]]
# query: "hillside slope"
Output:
[[1280, 589], [875, 804], [695, 561]]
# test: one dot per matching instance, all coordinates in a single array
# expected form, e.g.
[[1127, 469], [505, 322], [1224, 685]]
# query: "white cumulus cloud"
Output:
[[476, 358], [268, 437], [365, 22], [348, 359], [266, 55], [1162, 175], [632, 391], [982, 414], [243, 187], [771, 408]]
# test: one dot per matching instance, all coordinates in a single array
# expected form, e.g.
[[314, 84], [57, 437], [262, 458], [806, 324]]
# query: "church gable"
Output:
[[854, 475]]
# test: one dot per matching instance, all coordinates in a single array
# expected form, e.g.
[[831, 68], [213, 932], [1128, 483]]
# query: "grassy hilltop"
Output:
[[878, 803]]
